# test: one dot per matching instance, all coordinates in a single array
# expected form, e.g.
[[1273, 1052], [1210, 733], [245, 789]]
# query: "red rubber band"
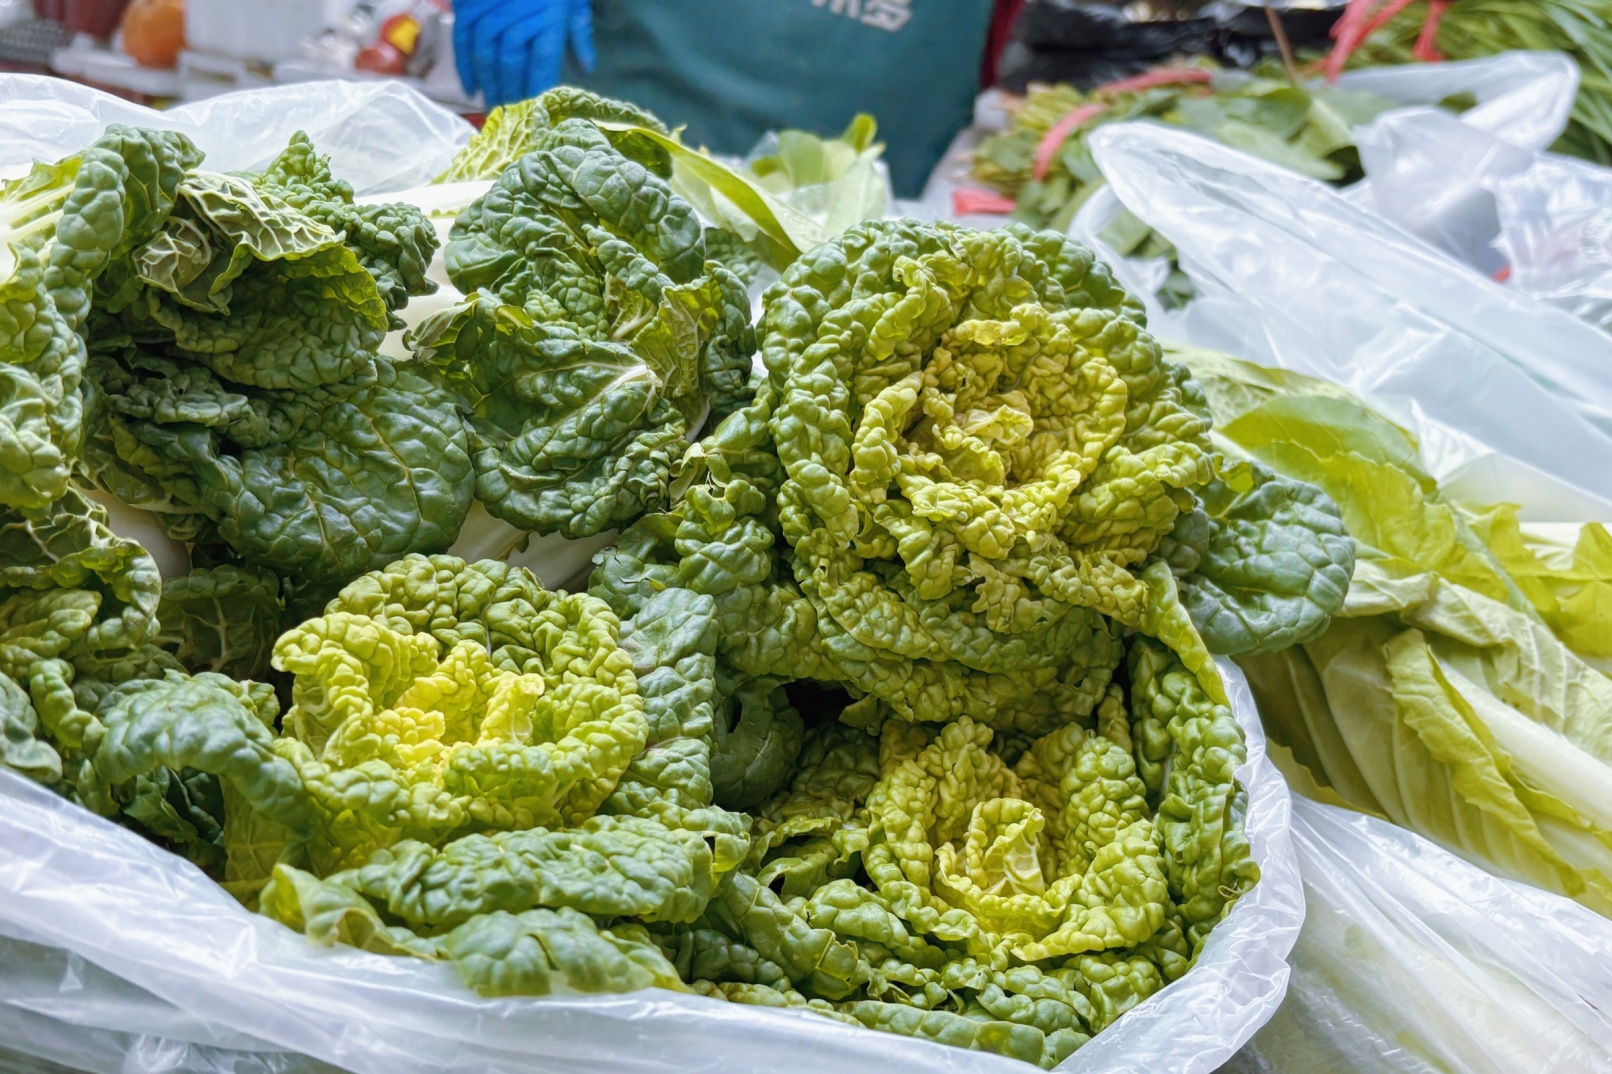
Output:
[[1358, 23], [1054, 139], [969, 201], [1060, 131], [1426, 48], [1164, 76]]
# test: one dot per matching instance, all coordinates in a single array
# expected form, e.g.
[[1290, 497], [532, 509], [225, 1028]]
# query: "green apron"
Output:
[[732, 70]]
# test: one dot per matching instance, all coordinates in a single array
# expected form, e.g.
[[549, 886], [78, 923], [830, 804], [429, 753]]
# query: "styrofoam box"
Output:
[[269, 30]]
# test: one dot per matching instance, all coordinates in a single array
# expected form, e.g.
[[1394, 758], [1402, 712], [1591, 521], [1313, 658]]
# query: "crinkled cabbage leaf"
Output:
[[595, 339], [968, 472]]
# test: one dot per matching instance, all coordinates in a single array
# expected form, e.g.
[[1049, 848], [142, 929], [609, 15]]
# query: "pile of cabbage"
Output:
[[894, 700]]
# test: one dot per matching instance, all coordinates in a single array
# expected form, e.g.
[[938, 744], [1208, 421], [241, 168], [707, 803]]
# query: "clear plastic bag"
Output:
[[119, 957], [1555, 220], [1413, 961], [111, 947], [380, 134], [1523, 97], [1289, 272], [1435, 174]]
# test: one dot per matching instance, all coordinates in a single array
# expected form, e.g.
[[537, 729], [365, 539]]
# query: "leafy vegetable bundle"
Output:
[[1044, 163], [972, 492], [1473, 29], [894, 702], [233, 385], [1462, 691]]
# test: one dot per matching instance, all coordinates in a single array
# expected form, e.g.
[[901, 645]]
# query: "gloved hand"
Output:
[[512, 49]]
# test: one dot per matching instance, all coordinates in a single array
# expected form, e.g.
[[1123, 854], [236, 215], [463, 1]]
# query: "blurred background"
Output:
[[917, 69]]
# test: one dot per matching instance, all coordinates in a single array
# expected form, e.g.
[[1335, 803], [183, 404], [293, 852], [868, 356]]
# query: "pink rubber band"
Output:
[[969, 201], [1426, 48], [1164, 76], [1054, 139]]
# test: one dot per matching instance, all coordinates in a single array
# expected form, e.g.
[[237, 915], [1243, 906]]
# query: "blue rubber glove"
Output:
[[511, 50]]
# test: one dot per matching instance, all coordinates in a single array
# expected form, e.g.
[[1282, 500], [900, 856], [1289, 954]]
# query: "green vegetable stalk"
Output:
[[1460, 691]]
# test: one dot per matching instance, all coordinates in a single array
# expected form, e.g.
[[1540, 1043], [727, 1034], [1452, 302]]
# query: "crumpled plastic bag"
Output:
[[1484, 188], [380, 134], [1436, 175], [1555, 219], [1291, 273], [1413, 961], [117, 957]]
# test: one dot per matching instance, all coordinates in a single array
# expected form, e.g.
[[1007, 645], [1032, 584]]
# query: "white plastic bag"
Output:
[[118, 957], [1555, 220], [380, 134], [1435, 174], [113, 949], [1290, 273], [1523, 97], [1413, 961]]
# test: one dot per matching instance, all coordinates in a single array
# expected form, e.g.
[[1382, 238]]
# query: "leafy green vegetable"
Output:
[[808, 187], [61, 227], [970, 491], [514, 130], [234, 389], [1275, 568], [1566, 574], [264, 296], [979, 460], [1468, 722], [318, 484], [917, 882], [757, 737], [21, 748], [801, 159], [595, 339], [223, 619], [394, 242], [90, 701], [1439, 698], [78, 607], [464, 746]]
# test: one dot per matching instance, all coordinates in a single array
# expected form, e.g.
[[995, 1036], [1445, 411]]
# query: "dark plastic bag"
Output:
[[1089, 42]]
